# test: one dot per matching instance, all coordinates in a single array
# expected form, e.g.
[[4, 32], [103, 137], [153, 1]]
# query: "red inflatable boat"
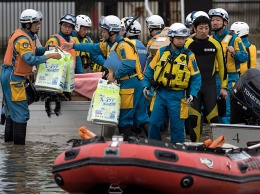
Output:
[[142, 165]]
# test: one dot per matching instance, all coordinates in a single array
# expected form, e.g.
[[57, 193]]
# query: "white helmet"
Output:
[[155, 21], [30, 16], [123, 21], [219, 12], [188, 20], [178, 29], [68, 18], [111, 23], [134, 28], [82, 20], [240, 28], [197, 14]]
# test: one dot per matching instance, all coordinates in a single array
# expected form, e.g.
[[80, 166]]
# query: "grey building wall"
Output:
[[52, 12]]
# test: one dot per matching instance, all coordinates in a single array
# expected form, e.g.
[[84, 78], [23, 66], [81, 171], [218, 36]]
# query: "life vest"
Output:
[[252, 56], [141, 51], [251, 62], [172, 74], [85, 57], [138, 67], [230, 61], [71, 51], [21, 68], [151, 41]]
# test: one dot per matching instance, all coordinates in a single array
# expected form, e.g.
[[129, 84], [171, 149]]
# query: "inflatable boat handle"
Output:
[[114, 190], [254, 146]]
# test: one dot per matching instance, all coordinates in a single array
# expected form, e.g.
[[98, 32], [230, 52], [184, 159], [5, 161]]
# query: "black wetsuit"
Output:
[[206, 51]]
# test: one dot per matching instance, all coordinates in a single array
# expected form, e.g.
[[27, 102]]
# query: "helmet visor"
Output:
[[69, 17], [38, 17], [180, 32]]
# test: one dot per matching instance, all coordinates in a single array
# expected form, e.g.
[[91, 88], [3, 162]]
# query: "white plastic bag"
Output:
[[69, 84], [105, 104], [52, 74]]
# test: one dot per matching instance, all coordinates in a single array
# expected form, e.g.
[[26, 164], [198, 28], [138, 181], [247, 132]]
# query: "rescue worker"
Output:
[[67, 24], [83, 59], [207, 50], [20, 57], [173, 70], [155, 25], [242, 30], [234, 52], [129, 75], [188, 22], [133, 31]]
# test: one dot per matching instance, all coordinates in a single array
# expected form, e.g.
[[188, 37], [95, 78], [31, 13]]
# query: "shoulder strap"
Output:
[[57, 38], [131, 44], [186, 51]]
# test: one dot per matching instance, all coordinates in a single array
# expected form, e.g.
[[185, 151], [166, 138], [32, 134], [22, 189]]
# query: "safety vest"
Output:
[[138, 67], [71, 51], [151, 41], [83, 55], [252, 56], [172, 74], [251, 62], [21, 68], [230, 61]]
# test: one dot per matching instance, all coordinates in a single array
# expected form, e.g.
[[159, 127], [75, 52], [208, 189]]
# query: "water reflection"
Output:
[[27, 169]]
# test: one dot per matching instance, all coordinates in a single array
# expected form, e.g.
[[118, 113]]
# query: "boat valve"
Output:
[[58, 179], [187, 181]]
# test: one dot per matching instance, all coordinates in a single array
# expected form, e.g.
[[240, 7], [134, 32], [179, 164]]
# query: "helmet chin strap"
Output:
[[218, 29]]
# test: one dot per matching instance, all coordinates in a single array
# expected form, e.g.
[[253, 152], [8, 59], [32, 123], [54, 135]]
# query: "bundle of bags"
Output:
[[56, 75], [105, 104]]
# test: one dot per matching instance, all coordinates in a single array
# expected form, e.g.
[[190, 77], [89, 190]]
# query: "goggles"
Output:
[[215, 12], [103, 22], [38, 17], [69, 17], [179, 32]]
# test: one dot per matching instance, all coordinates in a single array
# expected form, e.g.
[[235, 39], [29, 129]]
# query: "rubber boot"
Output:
[[19, 133], [3, 119], [8, 129], [145, 126], [126, 132], [187, 124]]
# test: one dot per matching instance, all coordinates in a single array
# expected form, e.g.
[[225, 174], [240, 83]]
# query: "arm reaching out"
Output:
[[67, 46]]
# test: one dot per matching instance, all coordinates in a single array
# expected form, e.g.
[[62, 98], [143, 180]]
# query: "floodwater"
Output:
[[27, 169]]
